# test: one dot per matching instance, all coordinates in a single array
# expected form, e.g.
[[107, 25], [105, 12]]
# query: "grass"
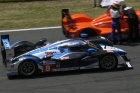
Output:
[[34, 14]]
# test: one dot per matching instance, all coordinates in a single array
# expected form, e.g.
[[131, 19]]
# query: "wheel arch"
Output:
[[36, 66], [31, 58], [110, 54], [90, 31], [37, 61]]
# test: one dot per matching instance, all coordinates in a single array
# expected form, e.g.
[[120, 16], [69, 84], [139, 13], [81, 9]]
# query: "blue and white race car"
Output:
[[27, 59]]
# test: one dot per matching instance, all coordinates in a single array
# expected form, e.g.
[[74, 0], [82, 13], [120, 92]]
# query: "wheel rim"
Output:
[[108, 62], [27, 68]]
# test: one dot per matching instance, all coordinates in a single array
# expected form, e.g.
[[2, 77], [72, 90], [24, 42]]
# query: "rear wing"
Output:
[[5, 41], [6, 51], [65, 13], [67, 21]]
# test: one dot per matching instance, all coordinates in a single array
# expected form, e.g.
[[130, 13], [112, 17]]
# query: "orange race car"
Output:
[[74, 25]]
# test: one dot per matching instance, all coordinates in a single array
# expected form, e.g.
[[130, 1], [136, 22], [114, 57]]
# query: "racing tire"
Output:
[[27, 68], [108, 62], [90, 32]]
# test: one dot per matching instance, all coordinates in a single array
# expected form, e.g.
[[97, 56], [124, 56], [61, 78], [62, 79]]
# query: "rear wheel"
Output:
[[90, 32], [27, 68], [108, 62]]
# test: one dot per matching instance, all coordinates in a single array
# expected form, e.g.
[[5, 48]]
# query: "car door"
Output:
[[90, 59], [71, 59]]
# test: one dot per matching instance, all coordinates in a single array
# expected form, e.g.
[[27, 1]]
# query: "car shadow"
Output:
[[66, 73]]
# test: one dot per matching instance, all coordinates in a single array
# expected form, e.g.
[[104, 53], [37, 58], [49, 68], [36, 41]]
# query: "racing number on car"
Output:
[[48, 68]]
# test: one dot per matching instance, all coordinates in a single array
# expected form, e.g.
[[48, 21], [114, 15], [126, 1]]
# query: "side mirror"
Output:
[[46, 57], [84, 35], [41, 42], [91, 51]]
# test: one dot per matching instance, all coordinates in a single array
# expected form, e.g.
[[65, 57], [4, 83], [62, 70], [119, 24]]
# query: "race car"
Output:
[[74, 25], [63, 55]]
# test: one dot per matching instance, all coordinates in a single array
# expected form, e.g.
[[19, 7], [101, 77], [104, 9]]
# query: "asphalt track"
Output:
[[87, 81]]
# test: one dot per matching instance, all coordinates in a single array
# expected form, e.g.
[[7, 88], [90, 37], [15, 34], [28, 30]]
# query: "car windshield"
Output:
[[91, 44], [55, 44], [71, 43], [67, 42]]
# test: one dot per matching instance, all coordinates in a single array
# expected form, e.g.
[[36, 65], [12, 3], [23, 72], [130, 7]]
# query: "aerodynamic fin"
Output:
[[6, 50], [67, 21], [5, 41], [65, 13], [65, 18]]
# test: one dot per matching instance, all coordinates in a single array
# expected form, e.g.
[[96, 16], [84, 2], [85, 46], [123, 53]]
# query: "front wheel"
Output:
[[108, 62], [27, 68]]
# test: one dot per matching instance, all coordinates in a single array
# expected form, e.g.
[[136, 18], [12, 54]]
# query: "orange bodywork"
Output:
[[102, 24]]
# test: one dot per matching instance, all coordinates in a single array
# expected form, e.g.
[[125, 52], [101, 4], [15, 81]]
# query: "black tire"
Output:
[[90, 32], [27, 68], [108, 62]]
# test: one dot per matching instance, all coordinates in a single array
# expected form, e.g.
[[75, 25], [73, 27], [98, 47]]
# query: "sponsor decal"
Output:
[[50, 52], [65, 58], [109, 50], [58, 66], [128, 64]]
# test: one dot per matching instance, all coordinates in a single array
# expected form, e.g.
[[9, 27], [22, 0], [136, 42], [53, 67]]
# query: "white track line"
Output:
[[29, 29]]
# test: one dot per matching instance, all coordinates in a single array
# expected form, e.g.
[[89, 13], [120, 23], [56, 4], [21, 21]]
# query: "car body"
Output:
[[63, 55], [75, 24]]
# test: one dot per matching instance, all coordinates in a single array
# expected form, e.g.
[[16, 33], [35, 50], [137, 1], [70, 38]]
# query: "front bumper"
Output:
[[12, 69], [126, 62], [126, 65], [11, 73]]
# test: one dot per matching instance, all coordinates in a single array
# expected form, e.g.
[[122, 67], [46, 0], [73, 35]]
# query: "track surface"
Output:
[[89, 81]]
